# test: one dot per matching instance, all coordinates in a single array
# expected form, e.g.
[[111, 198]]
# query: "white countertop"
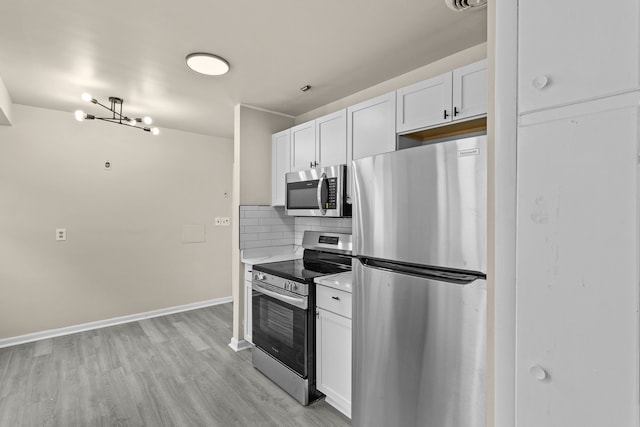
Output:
[[271, 254], [340, 281]]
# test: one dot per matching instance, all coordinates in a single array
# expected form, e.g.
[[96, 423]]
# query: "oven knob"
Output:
[[294, 286], [261, 276]]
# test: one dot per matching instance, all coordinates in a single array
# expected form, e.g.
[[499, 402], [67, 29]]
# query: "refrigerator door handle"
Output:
[[458, 277], [321, 206]]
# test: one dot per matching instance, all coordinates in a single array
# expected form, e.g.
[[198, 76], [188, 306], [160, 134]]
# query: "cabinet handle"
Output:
[[540, 82], [538, 373], [336, 298], [310, 164], [455, 111], [446, 114]]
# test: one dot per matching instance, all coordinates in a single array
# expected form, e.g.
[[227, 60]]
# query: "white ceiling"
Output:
[[52, 51]]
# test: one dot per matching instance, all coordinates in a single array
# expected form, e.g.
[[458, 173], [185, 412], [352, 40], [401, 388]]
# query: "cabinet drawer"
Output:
[[338, 302]]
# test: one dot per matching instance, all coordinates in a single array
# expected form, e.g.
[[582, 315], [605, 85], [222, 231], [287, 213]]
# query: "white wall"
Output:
[[124, 254]]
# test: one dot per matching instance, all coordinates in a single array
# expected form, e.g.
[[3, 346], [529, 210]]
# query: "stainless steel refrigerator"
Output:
[[419, 322]]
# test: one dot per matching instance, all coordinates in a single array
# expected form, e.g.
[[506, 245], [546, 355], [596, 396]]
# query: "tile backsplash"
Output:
[[264, 226]]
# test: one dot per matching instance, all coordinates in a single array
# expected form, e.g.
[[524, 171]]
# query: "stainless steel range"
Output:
[[284, 312]]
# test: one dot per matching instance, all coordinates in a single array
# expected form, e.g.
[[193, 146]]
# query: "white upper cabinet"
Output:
[[470, 90], [280, 165], [423, 104], [456, 95], [371, 130], [321, 142], [331, 139], [303, 146], [596, 56], [371, 127]]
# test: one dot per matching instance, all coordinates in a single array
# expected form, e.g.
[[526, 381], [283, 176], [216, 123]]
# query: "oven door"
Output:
[[281, 326]]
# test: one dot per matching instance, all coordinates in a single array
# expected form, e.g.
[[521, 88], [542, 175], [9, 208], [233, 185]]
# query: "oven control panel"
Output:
[[282, 283], [290, 285]]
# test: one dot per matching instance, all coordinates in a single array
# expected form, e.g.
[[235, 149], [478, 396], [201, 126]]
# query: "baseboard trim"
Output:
[[239, 345], [52, 333]]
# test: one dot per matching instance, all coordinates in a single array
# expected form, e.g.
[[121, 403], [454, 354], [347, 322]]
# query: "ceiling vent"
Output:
[[463, 5]]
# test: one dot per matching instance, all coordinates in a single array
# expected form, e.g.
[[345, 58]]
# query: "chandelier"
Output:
[[116, 115]]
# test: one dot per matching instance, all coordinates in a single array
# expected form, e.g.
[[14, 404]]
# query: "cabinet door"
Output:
[[248, 316], [303, 146], [331, 139], [371, 129], [248, 306], [424, 104], [280, 165], [371, 126], [333, 359], [574, 51], [577, 282], [470, 90]]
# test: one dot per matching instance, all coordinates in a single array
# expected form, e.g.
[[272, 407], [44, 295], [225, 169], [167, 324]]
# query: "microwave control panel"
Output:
[[332, 183]]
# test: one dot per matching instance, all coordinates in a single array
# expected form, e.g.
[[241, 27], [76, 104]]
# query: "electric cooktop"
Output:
[[325, 253], [304, 270]]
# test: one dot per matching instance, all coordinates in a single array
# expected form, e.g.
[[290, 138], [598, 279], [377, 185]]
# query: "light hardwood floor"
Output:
[[175, 370]]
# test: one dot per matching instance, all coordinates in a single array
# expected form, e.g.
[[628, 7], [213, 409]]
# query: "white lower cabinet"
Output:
[[333, 347], [248, 318]]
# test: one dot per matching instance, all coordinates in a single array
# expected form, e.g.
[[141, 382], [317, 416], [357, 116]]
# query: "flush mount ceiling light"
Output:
[[116, 115], [207, 63]]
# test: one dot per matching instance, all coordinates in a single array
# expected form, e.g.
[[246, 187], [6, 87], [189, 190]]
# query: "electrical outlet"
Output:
[[218, 221], [226, 221], [61, 234]]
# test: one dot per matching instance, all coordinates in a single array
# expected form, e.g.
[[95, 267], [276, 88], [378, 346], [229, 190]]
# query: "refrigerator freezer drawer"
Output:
[[419, 351], [425, 205]]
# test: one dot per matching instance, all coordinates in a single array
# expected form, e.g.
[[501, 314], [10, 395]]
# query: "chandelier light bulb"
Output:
[[155, 131], [79, 115], [87, 97], [147, 120]]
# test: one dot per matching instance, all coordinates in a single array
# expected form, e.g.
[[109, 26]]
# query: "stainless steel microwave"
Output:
[[318, 192]]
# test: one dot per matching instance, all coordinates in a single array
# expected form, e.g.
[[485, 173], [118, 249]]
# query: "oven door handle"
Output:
[[323, 178], [296, 302]]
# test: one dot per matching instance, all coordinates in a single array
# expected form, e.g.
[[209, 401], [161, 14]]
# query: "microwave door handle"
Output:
[[323, 177], [296, 302]]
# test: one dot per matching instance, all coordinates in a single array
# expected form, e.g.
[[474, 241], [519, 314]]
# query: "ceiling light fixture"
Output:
[[116, 115], [465, 5], [207, 63]]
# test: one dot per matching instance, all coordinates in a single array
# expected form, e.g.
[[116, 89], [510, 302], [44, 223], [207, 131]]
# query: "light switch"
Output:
[[61, 234]]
